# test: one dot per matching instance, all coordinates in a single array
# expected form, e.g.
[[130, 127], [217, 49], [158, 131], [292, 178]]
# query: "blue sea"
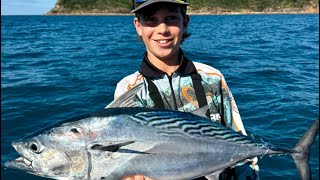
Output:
[[57, 67]]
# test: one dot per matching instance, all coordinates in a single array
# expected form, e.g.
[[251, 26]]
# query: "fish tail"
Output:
[[301, 151]]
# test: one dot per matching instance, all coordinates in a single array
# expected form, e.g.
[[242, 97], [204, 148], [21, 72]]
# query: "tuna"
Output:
[[158, 143]]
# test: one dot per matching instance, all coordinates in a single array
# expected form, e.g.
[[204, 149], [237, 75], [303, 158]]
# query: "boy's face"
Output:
[[162, 32]]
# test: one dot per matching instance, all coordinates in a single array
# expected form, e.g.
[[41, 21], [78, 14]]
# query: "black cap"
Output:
[[147, 3]]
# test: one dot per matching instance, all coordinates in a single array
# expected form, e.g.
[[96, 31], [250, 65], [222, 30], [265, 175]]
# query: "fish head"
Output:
[[55, 154]]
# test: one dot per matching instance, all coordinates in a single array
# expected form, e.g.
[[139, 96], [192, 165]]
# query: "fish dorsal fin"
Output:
[[111, 146], [201, 111], [126, 100]]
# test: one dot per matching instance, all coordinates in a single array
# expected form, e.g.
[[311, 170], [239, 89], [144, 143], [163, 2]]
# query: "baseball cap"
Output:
[[139, 4]]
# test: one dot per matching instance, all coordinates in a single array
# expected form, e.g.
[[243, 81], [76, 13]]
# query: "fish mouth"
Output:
[[20, 163]]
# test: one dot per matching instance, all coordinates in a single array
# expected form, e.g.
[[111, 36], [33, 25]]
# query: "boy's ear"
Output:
[[186, 23], [138, 26]]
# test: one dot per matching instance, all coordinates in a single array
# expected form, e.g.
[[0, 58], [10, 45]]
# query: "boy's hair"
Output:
[[153, 8]]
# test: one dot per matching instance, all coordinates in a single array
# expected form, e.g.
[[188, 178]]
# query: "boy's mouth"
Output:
[[163, 41]]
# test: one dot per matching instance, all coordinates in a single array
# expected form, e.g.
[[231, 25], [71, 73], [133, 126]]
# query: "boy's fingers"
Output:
[[135, 177]]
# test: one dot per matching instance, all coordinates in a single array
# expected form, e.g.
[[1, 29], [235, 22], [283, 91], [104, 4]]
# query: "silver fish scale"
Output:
[[188, 125]]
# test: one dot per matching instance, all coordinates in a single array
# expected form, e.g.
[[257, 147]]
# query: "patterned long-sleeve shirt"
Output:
[[178, 92]]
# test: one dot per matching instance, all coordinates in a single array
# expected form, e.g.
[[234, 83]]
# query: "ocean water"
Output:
[[57, 67]]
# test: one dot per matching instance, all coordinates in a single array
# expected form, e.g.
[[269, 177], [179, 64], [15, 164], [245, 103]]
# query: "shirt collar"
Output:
[[147, 69]]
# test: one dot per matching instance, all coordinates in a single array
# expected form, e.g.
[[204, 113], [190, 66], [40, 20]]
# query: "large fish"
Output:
[[160, 144]]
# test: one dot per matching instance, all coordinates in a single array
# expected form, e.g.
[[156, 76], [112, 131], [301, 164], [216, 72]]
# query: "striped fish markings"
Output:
[[160, 144]]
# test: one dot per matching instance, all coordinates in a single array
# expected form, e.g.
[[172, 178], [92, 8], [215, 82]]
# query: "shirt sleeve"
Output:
[[232, 116]]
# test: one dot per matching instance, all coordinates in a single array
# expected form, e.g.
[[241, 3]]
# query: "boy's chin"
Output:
[[166, 53], [165, 56]]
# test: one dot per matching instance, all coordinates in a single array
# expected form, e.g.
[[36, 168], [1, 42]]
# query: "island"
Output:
[[124, 7]]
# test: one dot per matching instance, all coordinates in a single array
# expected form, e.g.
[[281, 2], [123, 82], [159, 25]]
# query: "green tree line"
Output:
[[256, 5], [125, 6]]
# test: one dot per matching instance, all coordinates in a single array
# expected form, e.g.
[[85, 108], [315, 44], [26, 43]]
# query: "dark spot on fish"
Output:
[[102, 178], [75, 130]]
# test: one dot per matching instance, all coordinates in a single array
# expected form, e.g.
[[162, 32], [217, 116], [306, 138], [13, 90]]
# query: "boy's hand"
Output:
[[136, 177]]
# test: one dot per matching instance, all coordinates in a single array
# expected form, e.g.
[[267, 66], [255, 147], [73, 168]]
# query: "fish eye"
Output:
[[35, 147]]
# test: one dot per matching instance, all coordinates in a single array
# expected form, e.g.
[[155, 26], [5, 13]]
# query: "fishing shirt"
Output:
[[178, 93]]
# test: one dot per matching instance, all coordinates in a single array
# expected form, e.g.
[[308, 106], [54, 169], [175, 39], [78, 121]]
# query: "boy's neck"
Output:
[[167, 65]]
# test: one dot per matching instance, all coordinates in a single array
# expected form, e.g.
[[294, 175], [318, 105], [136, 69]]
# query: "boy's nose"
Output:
[[162, 28]]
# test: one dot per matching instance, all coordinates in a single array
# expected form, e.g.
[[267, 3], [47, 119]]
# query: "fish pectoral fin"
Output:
[[115, 147], [110, 146], [130, 151]]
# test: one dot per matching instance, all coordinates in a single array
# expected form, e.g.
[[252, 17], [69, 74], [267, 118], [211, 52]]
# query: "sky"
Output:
[[26, 7]]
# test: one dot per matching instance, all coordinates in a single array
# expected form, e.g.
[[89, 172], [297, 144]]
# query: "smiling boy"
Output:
[[172, 81], [162, 33]]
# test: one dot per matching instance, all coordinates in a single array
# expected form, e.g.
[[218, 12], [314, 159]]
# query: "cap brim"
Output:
[[148, 3]]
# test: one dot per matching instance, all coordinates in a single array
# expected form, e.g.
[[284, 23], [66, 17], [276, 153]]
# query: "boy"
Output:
[[172, 81]]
